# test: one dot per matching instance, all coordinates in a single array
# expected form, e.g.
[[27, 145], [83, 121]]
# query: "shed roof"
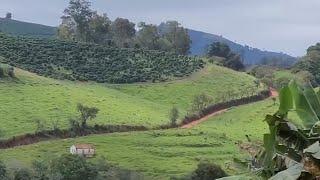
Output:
[[84, 146]]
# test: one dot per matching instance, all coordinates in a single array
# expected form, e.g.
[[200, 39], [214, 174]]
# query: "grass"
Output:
[[32, 97], [213, 80], [163, 154]]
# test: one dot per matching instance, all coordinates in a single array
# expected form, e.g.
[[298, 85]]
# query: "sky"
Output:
[[288, 26]]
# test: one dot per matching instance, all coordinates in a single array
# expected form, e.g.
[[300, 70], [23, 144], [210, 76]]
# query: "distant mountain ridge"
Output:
[[21, 28], [251, 56], [200, 40]]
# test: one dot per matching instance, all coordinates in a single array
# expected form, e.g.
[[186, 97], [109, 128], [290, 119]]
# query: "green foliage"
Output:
[[231, 60], [93, 62], [286, 142], [200, 102], [73, 167], [208, 171], [173, 116], [86, 113], [310, 62], [22, 174], [6, 71], [3, 170]]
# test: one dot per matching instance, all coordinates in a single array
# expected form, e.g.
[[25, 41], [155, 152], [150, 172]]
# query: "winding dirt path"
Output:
[[273, 93]]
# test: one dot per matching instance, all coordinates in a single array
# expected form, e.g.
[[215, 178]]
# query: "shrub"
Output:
[[208, 171], [22, 174], [3, 171], [174, 115], [200, 102]]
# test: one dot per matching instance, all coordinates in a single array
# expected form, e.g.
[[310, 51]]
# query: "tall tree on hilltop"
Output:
[[178, 36], [148, 36], [80, 13], [123, 31], [100, 29]]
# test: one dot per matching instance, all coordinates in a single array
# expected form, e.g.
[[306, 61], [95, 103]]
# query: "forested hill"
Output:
[[20, 28], [81, 61], [200, 41]]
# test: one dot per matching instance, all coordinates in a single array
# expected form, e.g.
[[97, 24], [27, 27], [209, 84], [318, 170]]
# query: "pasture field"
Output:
[[213, 80], [31, 97], [174, 152]]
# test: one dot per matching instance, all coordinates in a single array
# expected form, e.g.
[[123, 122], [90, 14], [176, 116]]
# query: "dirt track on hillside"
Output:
[[273, 93]]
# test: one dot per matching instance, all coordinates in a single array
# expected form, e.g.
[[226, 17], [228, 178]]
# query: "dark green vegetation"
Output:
[[80, 61], [81, 23], [291, 148], [310, 62], [19, 28], [230, 59], [67, 167]]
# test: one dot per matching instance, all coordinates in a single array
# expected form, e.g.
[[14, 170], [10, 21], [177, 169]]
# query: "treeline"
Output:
[[87, 61], [67, 167], [81, 23], [229, 59], [310, 63]]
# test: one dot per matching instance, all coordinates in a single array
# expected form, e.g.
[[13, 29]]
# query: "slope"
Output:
[[20, 28], [251, 56], [33, 97], [175, 152]]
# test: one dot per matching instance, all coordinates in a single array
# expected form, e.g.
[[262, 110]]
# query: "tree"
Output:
[[148, 36], [80, 13], [123, 31], [174, 115], [178, 36], [200, 102], [231, 60], [218, 49], [9, 15], [73, 167], [100, 29], [86, 113]]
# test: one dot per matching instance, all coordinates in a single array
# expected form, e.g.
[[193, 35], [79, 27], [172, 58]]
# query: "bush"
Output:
[[208, 171], [22, 174], [174, 115], [200, 102]]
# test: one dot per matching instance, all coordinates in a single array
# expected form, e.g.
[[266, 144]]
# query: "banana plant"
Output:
[[291, 150]]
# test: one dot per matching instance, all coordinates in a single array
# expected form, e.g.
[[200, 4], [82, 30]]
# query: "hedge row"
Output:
[[82, 61]]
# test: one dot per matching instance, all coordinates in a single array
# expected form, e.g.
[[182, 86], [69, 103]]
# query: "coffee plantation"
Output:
[[82, 61]]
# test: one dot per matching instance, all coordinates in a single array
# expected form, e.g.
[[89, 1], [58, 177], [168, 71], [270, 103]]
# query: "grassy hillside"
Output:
[[19, 28], [172, 152], [82, 61], [33, 97], [213, 80]]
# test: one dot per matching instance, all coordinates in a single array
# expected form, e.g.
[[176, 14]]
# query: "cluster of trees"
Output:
[[231, 59], [81, 23], [85, 61], [310, 63], [67, 167]]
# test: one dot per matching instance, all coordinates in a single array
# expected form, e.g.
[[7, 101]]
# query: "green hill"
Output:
[[81, 61], [19, 28], [33, 97]]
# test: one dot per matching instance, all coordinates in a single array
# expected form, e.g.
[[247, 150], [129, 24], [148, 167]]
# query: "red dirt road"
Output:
[[273, 93]]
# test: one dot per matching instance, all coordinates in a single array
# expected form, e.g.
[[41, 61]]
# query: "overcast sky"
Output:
[[288, 26]]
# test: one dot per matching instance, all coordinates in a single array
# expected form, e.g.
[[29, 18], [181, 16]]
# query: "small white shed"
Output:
[[86, 150]]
